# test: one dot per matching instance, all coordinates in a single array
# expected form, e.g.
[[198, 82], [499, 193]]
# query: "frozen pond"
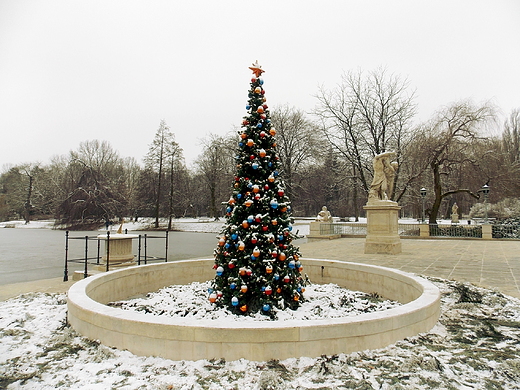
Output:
[[33, 254]]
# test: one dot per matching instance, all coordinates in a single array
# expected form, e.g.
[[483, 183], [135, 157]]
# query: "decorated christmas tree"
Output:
[[257, 267]]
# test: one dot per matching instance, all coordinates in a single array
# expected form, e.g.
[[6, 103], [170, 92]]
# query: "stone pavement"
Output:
[[492, 264]]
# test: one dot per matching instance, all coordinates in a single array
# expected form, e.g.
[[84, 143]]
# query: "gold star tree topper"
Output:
[[257, 69]]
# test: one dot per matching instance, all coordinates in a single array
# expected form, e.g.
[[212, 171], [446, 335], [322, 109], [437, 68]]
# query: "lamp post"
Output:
[[485, 191], [423, 195]]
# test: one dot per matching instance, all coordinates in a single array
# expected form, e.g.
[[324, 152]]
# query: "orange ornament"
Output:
[[260, 110], [272, 131], [274, 222], [250, 142], [296, 298], [243, 135], [262, 152], [282, 256], [243, 308], [278, 290]]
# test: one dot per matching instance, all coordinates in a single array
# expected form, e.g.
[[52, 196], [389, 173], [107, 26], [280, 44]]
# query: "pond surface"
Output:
[[33, 254]]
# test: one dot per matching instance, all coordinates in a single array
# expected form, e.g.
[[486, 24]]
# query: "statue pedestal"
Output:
[[454, 218], [118, 251], [382, 223]]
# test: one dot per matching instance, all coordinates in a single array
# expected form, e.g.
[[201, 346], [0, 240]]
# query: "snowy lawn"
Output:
[[475, 345]]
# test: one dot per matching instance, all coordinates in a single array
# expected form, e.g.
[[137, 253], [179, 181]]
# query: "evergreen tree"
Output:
[[257, 266]]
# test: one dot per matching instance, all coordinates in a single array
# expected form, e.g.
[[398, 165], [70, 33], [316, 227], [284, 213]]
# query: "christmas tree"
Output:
[[257, 267]]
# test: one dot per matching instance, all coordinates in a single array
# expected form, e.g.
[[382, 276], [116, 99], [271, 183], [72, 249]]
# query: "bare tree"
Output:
[[162, 149], [298, 143], [216, 167], [365, 116], [511, 136], [447, 144]]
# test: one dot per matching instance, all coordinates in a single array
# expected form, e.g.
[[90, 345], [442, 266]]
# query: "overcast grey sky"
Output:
[[72, 71]]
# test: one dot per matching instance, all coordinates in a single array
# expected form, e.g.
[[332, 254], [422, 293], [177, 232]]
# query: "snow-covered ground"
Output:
[[205, 225], [191, 304], [475, 345]]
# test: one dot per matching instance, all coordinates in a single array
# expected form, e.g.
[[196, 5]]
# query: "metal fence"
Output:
[[499, 231], [88, 244]]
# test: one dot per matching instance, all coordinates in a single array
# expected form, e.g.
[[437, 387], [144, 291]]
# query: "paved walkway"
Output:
[[491, 264]]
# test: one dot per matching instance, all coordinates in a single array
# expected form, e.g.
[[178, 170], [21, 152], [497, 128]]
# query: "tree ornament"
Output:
[[282, 256], [241, 245], [220, 271], [250, 142], [260, 110], [258, 90], [212, 297], [234, 301], [272, 131], [266, 307], [268, 290], [273, 204], [243, 308], [262, 153], [286, 279], [268, 269], [243, 288]]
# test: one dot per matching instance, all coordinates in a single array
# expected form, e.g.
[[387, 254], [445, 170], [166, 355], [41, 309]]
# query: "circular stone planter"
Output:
[[148, 335]]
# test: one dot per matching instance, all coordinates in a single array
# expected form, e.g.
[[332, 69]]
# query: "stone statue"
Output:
[[455, 209], [384, 174], [324, 215], [120, 230], [455, 213]]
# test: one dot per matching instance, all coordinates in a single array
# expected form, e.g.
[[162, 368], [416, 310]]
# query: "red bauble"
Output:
[[231, 265], [281, 193], [265, 228]]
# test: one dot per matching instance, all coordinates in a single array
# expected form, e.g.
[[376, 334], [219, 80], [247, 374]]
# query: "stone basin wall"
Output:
[[149, 335]]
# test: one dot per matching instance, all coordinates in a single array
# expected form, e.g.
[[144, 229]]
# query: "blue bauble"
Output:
[[234, 301], [254, 166], [259, 125], [275, 173], [263, 288], [299, 289], [229, 209], [276, 276], [292, 264], [261, 81], [270, 164], [253, 257], [248, 107], [241, 144], [210, 290], [234, 236], [232, 286], [290, 227], [266, 307], [280, 237], [239, 196], [273, 204]]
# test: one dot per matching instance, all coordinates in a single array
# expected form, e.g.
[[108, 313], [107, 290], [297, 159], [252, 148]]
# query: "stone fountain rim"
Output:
[[78, 294]]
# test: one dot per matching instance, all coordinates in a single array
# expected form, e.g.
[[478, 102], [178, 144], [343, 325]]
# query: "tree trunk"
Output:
[[437, 190]]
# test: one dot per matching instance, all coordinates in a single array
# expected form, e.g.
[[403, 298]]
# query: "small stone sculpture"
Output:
[[324, 215], [384, 173], [455, 213]]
